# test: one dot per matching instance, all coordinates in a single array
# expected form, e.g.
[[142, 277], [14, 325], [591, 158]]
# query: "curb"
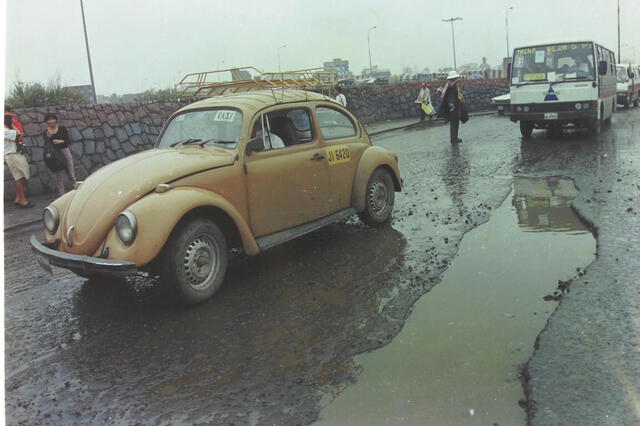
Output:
[[421, 123], [17, 226]]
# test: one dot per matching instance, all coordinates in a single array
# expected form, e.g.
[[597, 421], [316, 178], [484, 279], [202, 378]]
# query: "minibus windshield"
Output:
[[553, 63]]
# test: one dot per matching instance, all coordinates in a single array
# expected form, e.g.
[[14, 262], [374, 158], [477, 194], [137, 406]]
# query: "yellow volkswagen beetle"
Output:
[[247, 170]]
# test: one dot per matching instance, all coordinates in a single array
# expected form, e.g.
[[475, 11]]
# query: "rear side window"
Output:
[[334, 124]]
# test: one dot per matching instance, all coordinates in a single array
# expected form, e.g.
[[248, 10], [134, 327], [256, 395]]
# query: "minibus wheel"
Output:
[[526, 128]]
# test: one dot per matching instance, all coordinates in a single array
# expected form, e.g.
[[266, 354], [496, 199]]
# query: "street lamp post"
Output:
[[369, 45], [619, 30], [86, 41], [455, 66], [506, 25], [279, 69]]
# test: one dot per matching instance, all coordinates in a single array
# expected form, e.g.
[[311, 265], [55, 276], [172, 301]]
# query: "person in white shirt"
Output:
[[341, 98], [17, 163], [424, 102], [271, 140]]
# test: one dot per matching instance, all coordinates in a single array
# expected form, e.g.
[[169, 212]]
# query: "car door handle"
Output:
[[317, 157]]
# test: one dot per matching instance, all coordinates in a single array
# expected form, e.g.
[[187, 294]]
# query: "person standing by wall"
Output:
[[17, 163], [453, 107], [58, 137], [341, 98], [424, 102]]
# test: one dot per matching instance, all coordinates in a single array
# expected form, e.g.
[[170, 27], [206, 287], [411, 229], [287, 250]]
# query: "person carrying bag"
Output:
[[57, 155]]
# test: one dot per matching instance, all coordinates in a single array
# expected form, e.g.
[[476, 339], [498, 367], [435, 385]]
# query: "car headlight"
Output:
[[126, 227], [585, 105], [578, 106], [518, 108], [51, 219], [526, 109]]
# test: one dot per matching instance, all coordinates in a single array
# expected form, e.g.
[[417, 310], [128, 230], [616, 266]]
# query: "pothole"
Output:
[[456, 361]]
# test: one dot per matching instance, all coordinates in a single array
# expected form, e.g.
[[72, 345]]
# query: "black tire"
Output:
[[526, 128], [595, 126], [626, 102], [195, 260], [379, 199], [635, 102]]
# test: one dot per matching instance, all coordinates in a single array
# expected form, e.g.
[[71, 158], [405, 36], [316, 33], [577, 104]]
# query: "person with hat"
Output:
[[424, 102], [453, 107]]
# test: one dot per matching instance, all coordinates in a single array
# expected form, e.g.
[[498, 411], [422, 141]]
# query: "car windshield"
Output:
[[621, 74], [554, 62], [213, 126]]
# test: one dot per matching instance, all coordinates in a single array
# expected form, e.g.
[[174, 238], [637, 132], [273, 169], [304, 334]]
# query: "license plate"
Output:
[[550, 115], [44, 263]]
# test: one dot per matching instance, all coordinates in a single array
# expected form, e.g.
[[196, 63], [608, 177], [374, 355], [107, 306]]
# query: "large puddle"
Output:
[[457, 359]]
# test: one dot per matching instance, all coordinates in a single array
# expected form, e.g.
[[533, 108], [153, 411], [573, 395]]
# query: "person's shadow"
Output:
[[456, 177]]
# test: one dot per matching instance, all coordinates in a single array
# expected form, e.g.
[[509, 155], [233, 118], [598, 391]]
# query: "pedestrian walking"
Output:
[[57, 154], [17, 163], [453, 107], [424, 102], [341, 98]]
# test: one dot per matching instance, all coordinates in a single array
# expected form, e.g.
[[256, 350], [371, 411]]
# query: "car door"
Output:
[[344, 143], [287, 186]]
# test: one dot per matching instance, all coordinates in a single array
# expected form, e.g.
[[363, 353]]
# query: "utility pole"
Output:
[[455, 66], [619, 59], [369, 45], [506, 25], [86, 41]]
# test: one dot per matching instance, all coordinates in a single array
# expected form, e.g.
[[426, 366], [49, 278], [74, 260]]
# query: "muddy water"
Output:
[[456, 360]]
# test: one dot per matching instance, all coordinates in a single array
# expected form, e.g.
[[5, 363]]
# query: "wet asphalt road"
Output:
[[279, 339]]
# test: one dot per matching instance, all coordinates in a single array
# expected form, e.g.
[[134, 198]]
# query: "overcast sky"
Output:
[[141, 44]]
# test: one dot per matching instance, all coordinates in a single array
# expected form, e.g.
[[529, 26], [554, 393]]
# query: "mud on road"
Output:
[[282, 334]]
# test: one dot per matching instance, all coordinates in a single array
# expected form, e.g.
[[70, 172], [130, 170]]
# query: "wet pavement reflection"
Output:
[[457, 359]]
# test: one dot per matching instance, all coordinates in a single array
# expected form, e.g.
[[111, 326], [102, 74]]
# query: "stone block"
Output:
[[101, 147], [75, 134], [111, 156], [114, 144], [37, 154], [135, 140], [121, 134], [129, 148], [136, 128], [128, 129], [88, 133], [76, 149], [86, 162], [120, 154], [108, 130], [89, 147], [99, 133], [112, 119]]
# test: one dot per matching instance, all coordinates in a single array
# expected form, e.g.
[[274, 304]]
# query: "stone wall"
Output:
[[99, 134], [372, 103], [103, 133]]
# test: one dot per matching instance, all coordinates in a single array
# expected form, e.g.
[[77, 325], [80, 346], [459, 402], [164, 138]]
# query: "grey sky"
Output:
[[142, 44]]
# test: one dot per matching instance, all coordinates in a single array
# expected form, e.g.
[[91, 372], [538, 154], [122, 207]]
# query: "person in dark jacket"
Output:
[[452, 105], [58, 136]]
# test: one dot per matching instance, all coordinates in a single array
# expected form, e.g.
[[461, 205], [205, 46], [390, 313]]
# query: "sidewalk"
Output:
[[404, 123], [16, 217]]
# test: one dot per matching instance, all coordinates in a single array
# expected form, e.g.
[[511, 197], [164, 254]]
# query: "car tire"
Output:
[[635, 102], [195, 260], [526, 128], [626, 102], [379, 198]]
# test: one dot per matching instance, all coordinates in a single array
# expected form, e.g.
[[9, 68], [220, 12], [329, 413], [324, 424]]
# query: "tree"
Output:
[[35, 94], [157, 95]]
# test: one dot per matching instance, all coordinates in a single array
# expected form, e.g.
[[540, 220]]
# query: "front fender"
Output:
[[371, 159], [157, 215]]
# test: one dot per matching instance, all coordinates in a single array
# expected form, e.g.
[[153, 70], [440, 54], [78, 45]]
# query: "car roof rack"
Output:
[[244, 79]]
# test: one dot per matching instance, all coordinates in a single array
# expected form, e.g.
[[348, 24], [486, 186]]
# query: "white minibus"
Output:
[[554, 85]]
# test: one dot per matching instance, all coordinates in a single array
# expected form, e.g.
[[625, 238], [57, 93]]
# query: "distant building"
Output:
[[85, 90], [375, 73], [339, 66]]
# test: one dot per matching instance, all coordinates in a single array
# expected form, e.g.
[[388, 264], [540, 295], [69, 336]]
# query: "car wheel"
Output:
[[195, 260], [379, 198], [635, 102], [626, 102], [526, 128]]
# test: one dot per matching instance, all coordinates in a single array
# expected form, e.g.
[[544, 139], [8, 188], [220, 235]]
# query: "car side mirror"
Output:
[[602, 68], [632, 75], [255, 145]]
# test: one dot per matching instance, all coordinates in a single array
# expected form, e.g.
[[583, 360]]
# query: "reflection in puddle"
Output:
[[456, 360]]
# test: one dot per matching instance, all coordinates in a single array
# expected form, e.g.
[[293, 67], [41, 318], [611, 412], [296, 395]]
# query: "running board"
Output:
[[280, 237]]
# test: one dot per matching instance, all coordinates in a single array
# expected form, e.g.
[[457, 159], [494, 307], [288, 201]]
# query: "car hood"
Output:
[[113, 188]]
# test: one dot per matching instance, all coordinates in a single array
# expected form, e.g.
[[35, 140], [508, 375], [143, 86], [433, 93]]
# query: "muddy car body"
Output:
[[249, 170]]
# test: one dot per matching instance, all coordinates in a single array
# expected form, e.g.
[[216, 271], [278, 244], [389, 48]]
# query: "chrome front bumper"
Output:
[[80, 264]]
